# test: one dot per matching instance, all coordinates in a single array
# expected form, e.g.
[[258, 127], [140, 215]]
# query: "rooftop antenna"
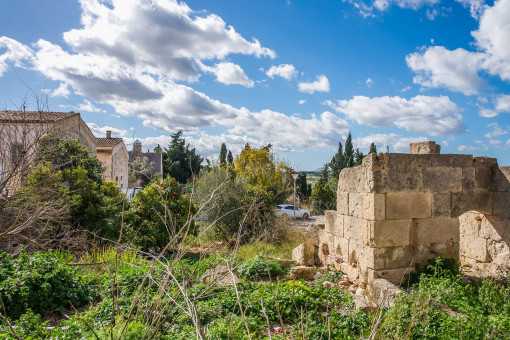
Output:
[[387, 149]]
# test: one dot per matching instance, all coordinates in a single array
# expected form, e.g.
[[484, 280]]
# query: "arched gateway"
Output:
[[396, 210]]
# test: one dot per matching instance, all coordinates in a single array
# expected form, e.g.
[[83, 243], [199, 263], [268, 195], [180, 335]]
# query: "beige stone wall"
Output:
[[115, 160], [396, 210]]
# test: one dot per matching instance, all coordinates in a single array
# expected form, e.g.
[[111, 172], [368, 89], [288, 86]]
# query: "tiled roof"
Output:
[[107, 142], [33, 116]]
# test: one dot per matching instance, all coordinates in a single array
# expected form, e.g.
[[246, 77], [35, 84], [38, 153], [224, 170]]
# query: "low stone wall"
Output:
[[396, 210]]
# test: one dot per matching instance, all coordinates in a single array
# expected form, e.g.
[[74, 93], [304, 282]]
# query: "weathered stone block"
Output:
[[353, 180], [356, 229], [341, 249], [441, 205], [501, 204], [499, 252], [356, 204], [501, 179], [374, 206], [446, 160], [473, 247], [442, 179], [493, 228], [468, 179], [445, 250], [305, 254], [462, 202], [302, 272], [393, 258], [330, 217], [342, 203], [390, 233], [436, 230], [396, 276], [424, 148], [401, 205], [483, 177]]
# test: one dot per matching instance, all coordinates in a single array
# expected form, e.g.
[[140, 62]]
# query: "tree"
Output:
[[348, 152], [159, 215], [179, 161], [358, 157], [223, 154], [373, 148], [140, 169], [337, 162], [302, 185], [230, 158]]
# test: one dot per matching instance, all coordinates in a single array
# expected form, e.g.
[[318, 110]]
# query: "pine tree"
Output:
[[373, 148], [324, 176], [337, 162], [223, 154], [348, 152], [358, 157], [230, 158], [302, 185], [179, 161]]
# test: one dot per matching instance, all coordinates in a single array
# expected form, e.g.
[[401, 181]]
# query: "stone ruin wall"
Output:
[[396, 210]]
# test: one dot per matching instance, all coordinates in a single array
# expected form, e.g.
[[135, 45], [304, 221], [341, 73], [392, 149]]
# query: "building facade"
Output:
[[112, 152]]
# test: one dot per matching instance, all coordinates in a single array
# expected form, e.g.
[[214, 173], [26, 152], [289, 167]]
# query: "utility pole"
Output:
[[295, 176]]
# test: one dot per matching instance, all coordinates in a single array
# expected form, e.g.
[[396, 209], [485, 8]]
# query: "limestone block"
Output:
[[483, 177], [473, 247], [374, 206], [501, 204], [446, 160], [499, 252], [436, 230], [356, 229], [341, 249], [352, 273], [393, 257], [396, 276], [445, 250], [441, 205], [384, 293], [390, 233], [402, 205], [302, 272], [356, 204], [342, 202], [338, 230], [468, 179], [398, 174], [220, 276], [442, 179], [493, 228], [501, 179], [421, 148], [305, 254], [465, 201], [285, 263], [330, 220], [353, 180], [470, 223]]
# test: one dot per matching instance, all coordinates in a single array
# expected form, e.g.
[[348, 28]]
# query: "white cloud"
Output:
[[456, 70], [302, 101], [61, 91], [86, 106], [100, 131], [405, 89], [14, 52], [397, 143], [320, 85], [463, 148], [501, 105], [369, 82], [494, 142], [286, 71], [421, 114], [496, 131], [229, 73]]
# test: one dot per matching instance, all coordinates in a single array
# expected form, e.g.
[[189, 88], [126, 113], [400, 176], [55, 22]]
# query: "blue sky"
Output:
[[297, 74]]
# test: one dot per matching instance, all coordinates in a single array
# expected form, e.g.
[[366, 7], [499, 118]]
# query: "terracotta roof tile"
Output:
[[33, 116], [107, 142]]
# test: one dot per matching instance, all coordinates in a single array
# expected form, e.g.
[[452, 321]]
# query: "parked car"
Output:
[[291, 211]]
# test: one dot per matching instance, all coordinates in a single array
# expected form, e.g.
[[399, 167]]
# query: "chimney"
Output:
[[108, 134]]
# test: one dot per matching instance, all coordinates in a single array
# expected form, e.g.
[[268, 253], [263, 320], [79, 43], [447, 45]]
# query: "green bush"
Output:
[[260, 268], [42, 282]]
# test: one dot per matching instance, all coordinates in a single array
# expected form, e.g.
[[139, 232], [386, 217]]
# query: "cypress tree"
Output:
[[337, 162], [373, 148], [348, 152], [230, 158], [223, 154]]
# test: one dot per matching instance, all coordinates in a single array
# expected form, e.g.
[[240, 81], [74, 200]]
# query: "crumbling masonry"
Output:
[[396, 210]]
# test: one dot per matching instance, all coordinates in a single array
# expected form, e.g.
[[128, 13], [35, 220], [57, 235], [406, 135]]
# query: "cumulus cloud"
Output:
[[496, 131], [61, 91], [320, 85], [459, 69], [395, 142], [286, 71], [100, 131], [12, 51], [463, 148], [439, 67], [501, 105], [229, 73], [421, 114], [369, 82], [86, 106], [302, 101]]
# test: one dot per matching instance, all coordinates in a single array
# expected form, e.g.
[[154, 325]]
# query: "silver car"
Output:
[[291, 211]]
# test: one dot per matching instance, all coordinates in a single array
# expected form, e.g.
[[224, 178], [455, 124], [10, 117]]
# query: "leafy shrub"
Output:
[[41, 282], [437, 267], [328, 276], [260, 268]]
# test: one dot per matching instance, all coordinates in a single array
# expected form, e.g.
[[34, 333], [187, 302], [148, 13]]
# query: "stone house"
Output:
[[155, 158], [398, 210], [112, 152], [20, 132]]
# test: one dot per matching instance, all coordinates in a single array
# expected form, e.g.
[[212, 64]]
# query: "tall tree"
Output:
[[373, 148], [179, 161], [358, 157], [337, 162], [223, 154], [302, 185], [230, 158], [348, 152], [324, 176]]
